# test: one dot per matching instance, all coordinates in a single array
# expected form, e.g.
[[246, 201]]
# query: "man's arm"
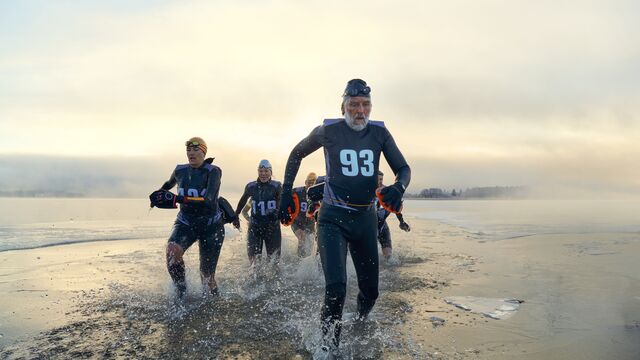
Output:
[[287, 207], [396, 161], [305, 147], [243, 200], [403, 225]]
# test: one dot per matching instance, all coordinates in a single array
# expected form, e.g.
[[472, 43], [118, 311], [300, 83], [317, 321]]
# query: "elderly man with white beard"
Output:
[[347, 220]]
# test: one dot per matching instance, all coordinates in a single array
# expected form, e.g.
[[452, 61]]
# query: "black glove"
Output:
[[163, 199], [404, 226], [289, 207], [390, 197], [236, 222]]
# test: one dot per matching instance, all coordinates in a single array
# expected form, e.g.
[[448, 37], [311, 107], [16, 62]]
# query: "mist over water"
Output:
[[505, 219]]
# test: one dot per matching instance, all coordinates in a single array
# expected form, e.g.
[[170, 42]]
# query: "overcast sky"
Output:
[[476, 93]]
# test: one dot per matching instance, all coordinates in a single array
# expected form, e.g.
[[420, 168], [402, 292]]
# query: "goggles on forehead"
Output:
[[357, 91], [192, 143], [357, 87]]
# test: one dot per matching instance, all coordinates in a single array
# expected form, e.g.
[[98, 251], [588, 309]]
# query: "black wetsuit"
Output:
[[264, 226], [384, 235], [302, 221], [347, 219], [198, 220]]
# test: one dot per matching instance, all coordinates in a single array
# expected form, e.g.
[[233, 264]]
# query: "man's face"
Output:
[[380, 178], [195, 156], [309, 183], [358, 108], [264, 174]]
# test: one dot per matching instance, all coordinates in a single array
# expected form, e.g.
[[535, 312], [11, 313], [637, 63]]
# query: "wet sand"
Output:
[[580, 296], [114, 299]]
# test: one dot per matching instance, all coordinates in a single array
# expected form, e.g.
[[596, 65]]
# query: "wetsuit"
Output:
[[347, 219], [198, 220], [302, 221], [384, 235], [264, 226]]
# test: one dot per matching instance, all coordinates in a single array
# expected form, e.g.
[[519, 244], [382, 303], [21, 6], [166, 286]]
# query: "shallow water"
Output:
[[271, 313], [574, 263]]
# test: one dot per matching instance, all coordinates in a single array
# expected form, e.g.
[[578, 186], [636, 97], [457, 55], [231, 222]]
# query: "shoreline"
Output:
[[69, 281], [123, 285]]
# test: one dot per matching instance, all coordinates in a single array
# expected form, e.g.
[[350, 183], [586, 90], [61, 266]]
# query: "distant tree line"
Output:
[[40, 193], [472, 193]]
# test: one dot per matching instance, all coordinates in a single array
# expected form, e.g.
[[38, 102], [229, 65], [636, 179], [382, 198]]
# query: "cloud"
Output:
[[526, 89]]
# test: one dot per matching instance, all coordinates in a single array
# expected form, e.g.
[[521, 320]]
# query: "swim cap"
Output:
[[264, 164], [197, 142], [357, 87]]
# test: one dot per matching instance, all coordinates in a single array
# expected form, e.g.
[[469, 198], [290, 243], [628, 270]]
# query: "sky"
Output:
[[543, 94]]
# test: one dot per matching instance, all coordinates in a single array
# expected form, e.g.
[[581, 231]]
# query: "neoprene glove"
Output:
[[287, 205], [236, 222], [163, 199], [404, 226], [392, 197]]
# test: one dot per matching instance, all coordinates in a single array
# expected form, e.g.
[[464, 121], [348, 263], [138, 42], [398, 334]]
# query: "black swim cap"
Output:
[[357, 87]]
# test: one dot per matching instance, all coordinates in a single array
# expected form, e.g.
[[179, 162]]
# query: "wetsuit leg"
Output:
[[184, 236], [210, 243], [364, 253], [384, 236], [254, 240], [273, 238], [332, 246]]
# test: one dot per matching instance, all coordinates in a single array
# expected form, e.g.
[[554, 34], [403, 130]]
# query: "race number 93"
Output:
[[357, 163]]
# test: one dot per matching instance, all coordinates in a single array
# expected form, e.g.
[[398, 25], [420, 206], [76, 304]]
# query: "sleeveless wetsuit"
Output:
[[347, 219]]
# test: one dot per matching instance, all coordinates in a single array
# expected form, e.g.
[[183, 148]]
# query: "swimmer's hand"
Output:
[[390, 197], [163, 199], [289, 205]]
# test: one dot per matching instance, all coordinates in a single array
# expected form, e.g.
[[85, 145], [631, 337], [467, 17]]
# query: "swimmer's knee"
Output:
[[174, 252]]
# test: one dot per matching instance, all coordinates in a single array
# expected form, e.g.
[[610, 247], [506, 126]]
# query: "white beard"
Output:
[[350, 122]]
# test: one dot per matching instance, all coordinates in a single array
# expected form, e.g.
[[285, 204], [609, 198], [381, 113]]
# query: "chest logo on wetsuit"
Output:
[[192, 192], [354, 163]]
